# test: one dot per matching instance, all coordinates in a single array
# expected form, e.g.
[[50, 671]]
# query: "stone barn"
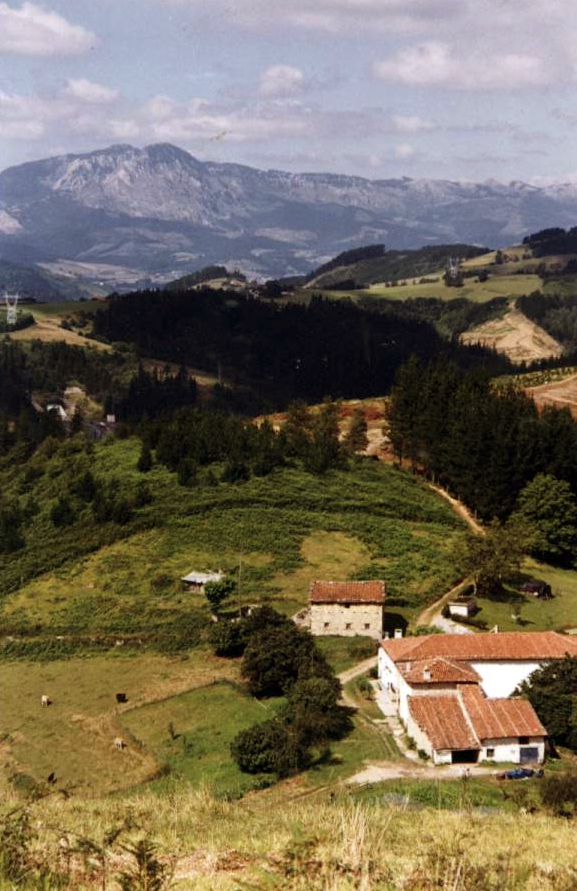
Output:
[[347, 608]]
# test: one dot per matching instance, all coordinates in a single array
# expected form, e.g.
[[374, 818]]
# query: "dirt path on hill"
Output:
[[461, 509], [433, 614]]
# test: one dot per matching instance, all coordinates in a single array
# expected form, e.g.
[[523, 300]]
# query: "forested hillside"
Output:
[[483, 444], [282, 352]]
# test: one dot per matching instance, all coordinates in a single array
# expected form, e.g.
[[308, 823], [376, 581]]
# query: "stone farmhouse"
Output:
[[347, 608], [452, 692]]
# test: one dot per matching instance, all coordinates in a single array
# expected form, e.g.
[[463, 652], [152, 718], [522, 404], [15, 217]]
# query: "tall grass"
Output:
[[269, 841]]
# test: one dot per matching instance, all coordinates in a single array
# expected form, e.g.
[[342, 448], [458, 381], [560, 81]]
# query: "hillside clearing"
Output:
[[516, 336], [558, 393], [47, 328]]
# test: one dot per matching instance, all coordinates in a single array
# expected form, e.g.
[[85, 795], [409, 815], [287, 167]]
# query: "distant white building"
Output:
[[196, 581], [452, 690]]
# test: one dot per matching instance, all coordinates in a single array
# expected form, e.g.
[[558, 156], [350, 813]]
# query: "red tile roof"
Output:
[[347, 592], [504, 645], [500, 718], [443, 721], [439, 671]]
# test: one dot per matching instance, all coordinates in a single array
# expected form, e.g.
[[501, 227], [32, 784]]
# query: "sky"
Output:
[[453, 89]]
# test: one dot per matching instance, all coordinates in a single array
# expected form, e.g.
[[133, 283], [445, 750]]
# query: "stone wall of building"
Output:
[[347, 620]]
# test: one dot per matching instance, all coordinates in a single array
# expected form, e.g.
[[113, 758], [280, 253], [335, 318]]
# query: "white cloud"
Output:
[[332, 15], [87, 91], [404, 150], [281, 80], [433, 64], [410, 123], [34, 31]]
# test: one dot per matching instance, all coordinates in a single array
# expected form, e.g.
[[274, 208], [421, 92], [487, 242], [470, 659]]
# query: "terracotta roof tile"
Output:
[[439, 670], [500, 718], [347, 592], [443, 720], [507, 645]]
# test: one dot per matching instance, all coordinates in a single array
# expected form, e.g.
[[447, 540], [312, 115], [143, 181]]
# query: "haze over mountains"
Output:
[[160, 212]]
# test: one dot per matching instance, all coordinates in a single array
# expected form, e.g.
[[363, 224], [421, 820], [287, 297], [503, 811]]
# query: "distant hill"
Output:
[[160, 212], [31, 281], [365, 266]]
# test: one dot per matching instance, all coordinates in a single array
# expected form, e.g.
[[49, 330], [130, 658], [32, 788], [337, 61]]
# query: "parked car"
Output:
[[519, 773]]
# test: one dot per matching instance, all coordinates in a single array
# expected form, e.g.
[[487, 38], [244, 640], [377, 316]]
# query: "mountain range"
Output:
[[123, 215]]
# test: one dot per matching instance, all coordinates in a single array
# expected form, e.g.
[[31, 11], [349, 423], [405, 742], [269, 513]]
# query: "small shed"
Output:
[[195, 581], [463, 606]]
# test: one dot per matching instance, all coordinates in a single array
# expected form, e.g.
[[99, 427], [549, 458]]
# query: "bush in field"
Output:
[[217, 592], [313, 711], [275, 658], [269, 747], [230, 638], [227, 638], [559, 792], [62, 513]]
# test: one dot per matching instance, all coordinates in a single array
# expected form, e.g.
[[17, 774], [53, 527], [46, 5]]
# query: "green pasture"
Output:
[[534, 614], [344, 652], [366, 743], [73, 737], [479, 292], [191, 734], [65, 308], [457, 795], [280, 531]]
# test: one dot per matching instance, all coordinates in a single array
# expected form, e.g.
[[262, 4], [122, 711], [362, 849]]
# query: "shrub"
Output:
[[227, 638], [559, 792], [269, 748]]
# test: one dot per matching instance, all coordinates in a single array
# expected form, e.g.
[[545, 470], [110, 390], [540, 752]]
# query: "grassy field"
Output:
[[535, 614], [314, 844], [191, 734], [74, 736], [479, 292], [180, 717], [284, 530], [457, 795]]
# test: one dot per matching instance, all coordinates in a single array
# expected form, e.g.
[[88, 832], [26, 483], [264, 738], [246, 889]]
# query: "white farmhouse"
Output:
[[451, 691]]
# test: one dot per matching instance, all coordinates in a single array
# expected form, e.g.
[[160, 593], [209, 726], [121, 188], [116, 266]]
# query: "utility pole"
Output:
[[239, 586]]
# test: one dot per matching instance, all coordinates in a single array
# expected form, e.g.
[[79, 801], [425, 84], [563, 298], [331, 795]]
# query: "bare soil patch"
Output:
[[516, 336], [561, 394]]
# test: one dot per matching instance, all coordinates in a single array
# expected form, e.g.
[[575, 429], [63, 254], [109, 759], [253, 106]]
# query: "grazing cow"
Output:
[[119, 743], [45, 701], [121, 697]]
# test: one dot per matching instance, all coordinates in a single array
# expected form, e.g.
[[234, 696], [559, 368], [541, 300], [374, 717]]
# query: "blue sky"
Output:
[[455, 89]]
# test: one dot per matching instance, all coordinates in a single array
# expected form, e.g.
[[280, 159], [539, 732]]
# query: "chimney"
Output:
[[426, 673], [398, 632]]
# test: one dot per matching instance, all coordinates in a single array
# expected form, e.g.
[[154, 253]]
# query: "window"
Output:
[[326, 625], [348, 626], [367, 626], [523, 740], [490, 753]]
